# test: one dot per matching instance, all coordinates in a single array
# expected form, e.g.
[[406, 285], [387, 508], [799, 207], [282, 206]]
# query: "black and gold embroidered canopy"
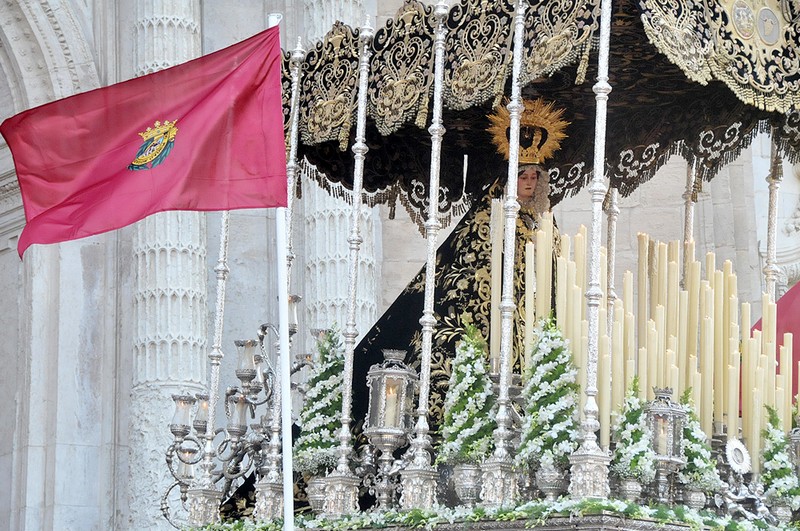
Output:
[[694, 77]]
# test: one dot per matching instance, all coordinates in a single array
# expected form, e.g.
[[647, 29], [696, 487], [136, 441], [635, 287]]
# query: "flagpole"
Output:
[[285, 370]]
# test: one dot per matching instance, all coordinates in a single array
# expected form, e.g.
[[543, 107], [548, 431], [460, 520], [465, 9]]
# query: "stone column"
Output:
[[326, 218], [169, 303]]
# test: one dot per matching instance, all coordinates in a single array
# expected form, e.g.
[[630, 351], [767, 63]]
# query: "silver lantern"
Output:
[[392, 385], [666, 420]]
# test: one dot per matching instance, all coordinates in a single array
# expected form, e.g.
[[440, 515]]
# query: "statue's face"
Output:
[[526, 182]]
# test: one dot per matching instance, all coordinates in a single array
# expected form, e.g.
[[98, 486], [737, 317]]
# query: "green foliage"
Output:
[[468, 424], [314, 450]]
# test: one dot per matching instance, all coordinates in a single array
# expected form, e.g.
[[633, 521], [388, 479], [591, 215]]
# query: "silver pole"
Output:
[[419, 478], [689, 198], [203, 496], [499, 482], [296, 61], [342, 485], [589, 462], [774, 178]]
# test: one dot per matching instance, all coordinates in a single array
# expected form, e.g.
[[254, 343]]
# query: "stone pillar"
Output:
[[326, 218], [169, 303]]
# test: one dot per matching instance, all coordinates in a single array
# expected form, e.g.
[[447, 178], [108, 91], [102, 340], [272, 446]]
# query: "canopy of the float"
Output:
[[695, 77]]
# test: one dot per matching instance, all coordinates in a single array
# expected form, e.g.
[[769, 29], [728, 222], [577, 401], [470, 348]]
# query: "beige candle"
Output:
[[496, 271], [693, 322], [663, 274], [710, 264], [674, 380], [580, 264], [561, 292], [569, 311], [720, 347], [642, 303], [577, 301], [630, 372], [627, 291], [653, 357], [530, 299], [780, 408], [617, 359], [566, 246], [661, 345], [755, 437], [786, 381], [673, 251], [630, 341], [682, 352], [697, 398], [604, 392], [707, 364], [643, 371], [770, 382], [673, 287], [584, 355], [733, 403], [672, 383], [603, 321], [548, 263], [542, 301]]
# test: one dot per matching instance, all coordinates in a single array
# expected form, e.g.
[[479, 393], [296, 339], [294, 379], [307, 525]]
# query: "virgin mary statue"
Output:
[[464, 265]]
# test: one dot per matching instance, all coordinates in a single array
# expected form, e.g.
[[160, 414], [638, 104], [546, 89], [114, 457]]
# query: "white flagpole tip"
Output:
[[273, 19]]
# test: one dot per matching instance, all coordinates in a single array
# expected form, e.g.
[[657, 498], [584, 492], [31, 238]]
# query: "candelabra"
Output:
[[225, 455]]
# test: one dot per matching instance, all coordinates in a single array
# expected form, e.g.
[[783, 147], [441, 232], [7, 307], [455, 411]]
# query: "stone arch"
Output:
[[44, 53]]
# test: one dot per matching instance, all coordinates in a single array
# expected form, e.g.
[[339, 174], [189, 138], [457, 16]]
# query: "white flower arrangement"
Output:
[[700, 471], [468, 424], [549, 425], [634, 457], [314, 450], [780, 482]]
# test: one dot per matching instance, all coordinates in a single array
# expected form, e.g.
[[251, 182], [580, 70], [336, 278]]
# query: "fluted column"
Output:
[[170, 306], [326, 218]]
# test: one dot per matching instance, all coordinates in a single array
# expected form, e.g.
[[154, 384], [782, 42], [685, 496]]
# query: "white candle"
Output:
[[733, 403], [391, 406], [496, 271], [580, 264], [720, 348], [542, 300], [531, 282], [604, 392], [643, 370], [561, 292], [642, 305]]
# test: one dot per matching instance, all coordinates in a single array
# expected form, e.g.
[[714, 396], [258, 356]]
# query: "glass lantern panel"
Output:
[[183, 412], [662, 436], [394, 405], [375, 403], [246, 356]]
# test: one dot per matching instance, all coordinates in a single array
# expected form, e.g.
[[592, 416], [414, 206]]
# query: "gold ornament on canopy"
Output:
[[541, 131]]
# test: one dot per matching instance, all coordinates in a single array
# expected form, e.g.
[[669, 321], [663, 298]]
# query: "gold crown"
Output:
[[167, 128], [541, 130]]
